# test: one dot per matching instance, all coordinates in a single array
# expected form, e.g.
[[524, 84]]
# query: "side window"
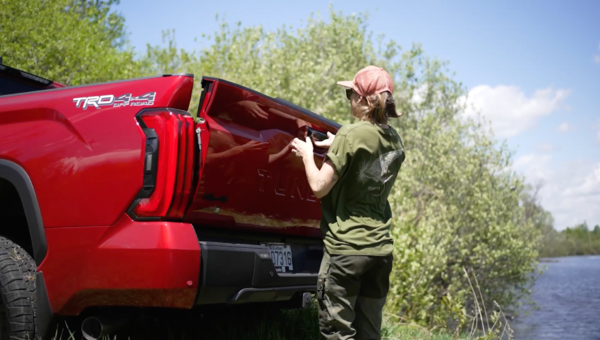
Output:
[[9, 86]]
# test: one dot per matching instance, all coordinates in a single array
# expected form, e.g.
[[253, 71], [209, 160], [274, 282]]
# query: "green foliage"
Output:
[[578, 240], [457, 207], [69, 41], [168, 59]]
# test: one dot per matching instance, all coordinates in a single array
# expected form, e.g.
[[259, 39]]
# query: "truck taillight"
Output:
[[169, 164]]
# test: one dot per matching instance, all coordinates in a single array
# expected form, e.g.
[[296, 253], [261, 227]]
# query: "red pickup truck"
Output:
[[114, 195]]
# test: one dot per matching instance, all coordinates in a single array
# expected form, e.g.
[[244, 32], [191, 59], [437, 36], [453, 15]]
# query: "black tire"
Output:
[[17, 292]]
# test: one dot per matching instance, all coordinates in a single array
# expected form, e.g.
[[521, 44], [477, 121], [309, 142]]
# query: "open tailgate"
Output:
[[249, 178]]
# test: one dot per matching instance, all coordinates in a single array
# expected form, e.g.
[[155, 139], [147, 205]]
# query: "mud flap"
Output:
[[44, 315]]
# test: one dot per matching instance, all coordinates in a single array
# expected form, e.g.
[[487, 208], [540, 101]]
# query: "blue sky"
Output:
[[532, 68]]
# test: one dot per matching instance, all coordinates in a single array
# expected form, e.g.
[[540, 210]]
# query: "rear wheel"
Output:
[[17, 292]]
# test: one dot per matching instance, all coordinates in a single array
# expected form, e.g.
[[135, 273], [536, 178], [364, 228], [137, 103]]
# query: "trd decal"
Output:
[[110, 100]]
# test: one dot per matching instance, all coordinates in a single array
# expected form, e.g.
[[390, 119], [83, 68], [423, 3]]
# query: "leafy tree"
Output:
[[168, 59], [69, 41], [100, 11]]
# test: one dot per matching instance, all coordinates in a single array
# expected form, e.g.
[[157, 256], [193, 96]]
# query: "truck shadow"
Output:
[[238, 322]]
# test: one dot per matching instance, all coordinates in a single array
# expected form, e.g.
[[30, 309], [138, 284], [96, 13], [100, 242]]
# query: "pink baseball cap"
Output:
[[370, 80]]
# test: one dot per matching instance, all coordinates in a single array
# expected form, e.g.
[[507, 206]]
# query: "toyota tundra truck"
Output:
[[114, 195]]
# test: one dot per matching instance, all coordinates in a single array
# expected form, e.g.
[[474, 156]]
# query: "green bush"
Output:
[[70, 41]]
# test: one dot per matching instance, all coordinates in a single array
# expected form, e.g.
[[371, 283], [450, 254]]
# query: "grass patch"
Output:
[[240, 323]]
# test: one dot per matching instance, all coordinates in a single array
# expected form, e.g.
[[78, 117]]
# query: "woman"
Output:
[[353, 184]]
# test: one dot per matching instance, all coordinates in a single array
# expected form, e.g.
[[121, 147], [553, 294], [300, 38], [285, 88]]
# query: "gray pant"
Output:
[[351, 293]]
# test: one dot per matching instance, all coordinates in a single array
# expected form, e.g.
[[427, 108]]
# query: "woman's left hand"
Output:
[[302, 149]]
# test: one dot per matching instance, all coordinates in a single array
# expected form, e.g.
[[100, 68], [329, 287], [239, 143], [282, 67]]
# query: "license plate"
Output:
[[281, 255]]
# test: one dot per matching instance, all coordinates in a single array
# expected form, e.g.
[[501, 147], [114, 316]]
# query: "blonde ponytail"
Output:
[[380, 107]]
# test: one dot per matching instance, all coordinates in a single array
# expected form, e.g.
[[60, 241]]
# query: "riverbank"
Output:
[[554, 259]]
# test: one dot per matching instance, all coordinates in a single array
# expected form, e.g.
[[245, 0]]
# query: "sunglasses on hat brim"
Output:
[[349, 93]]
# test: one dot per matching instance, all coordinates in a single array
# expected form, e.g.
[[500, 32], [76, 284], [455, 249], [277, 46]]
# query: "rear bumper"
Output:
[[236, 273], [162, 264], [137, 264]]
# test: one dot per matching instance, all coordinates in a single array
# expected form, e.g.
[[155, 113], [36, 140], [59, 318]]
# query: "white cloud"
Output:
[[597, 59], [566, 127], [546, 147], [419, 94], [533, 166], [571, 192], [590, 186], [510, 110]]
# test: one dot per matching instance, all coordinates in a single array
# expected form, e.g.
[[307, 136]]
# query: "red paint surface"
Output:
[[146, 264], [56, 85], [86, 165], [250, 178]]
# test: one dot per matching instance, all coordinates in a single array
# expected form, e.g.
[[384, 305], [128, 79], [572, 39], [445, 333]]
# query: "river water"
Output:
[[568, 294]]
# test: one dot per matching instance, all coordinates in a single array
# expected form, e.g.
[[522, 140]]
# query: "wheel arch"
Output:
[[17, 176]]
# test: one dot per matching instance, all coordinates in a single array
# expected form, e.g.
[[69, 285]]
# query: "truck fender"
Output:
[[16, 175]]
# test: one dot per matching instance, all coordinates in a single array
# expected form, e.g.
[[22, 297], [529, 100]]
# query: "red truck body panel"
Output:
[[147, 264], [250, 178], [85, 164]]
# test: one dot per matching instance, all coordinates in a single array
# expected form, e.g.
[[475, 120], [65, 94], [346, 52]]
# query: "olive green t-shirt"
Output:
[[356, 214]]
